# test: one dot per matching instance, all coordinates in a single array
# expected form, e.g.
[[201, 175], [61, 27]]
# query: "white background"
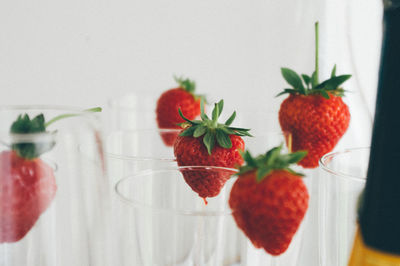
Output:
[[82, 52]]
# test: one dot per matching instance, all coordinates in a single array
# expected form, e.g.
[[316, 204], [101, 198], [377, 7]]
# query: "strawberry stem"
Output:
[[316, 53], [55, 119]]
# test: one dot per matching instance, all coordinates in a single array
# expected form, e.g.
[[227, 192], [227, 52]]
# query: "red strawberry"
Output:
[[269, 200], [27, 184], [27, 189], [208, 143], [314, 115], [170, 102]]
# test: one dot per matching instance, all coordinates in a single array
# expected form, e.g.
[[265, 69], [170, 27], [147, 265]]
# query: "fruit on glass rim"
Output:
[[269, 200], [27, 183], [182, 97], [209, 143], [314, 115]]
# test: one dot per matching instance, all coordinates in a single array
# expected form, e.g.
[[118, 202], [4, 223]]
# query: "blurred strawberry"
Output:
[[27, 183], [27, 189], [184, 98]]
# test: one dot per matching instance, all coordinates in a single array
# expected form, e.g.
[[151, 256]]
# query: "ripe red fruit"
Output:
[[315, 124], [208, 143], [269, 200], [27, 189], [170, 102], [191, 151], [314, 115], [27, 184]]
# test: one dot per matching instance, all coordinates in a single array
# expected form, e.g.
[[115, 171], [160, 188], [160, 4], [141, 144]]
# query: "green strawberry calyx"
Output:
[[264, 164], [25, 125], [213, 131], [306, 85], [189, 86]]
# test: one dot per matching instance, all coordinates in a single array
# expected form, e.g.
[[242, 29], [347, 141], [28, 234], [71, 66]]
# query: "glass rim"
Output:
[[135, 203], [43, 107], [136, 131], [323, 163], [117, 102], [114, 155], [39, 136]]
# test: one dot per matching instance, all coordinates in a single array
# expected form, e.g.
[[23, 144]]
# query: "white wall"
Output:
[[81, 52]]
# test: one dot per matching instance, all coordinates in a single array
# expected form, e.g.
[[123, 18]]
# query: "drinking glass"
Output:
[[132, 111], [342, 178], [130, 151], [295, 255], [169, 224], [53, 209]]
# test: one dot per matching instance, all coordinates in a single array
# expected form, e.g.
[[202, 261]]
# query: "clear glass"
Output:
[[130, 152], [342, 178], [62, 217], [296, 254], [137, 110], [130, 112], [169, 224], [165, 222]]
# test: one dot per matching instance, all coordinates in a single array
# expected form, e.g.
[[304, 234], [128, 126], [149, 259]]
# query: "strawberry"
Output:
[[269, 200], [209, 143], [27, 183], [314, 115], [27, 189], [170, 102]]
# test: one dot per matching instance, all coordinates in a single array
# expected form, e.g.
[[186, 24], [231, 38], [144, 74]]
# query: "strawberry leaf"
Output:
[[186, 84], [335, 82], [228, 130], [209, 141], [249, 159], [325, 94], [230, 119], [188, 131], [292, 78], [216, 111], [223, 139], [189, 86], [213, 131], [307, 79], [220, 107], [202, 114], [314, 79], [290, 91], [272, 160], [199, 131], [183, 117], [24, 125], [262, 172], [296, 157], [333, 73], [325, 88]]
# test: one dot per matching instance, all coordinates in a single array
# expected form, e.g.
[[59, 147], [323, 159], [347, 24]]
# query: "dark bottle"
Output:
[[378, 239]]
